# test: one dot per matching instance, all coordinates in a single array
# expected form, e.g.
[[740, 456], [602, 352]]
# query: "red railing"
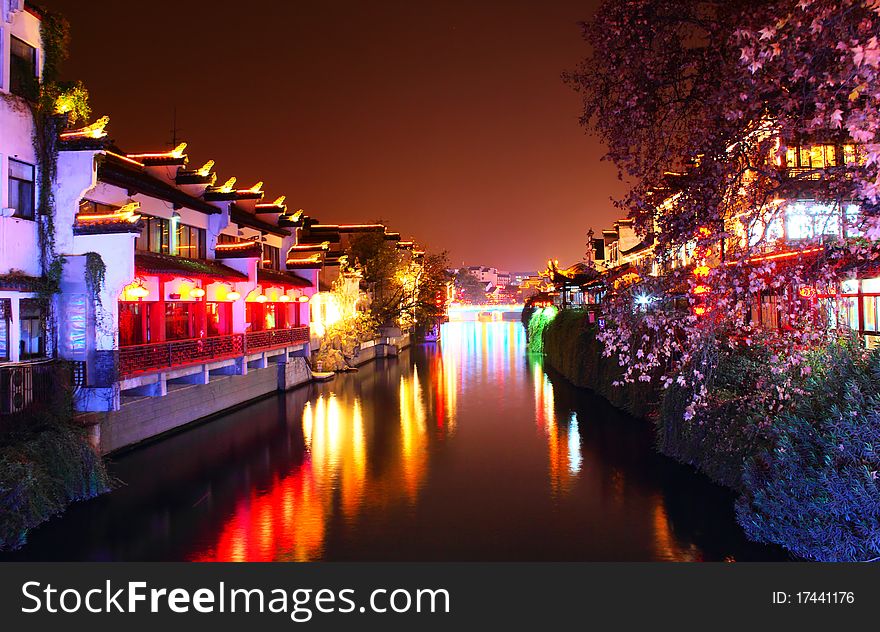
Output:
[[273, 338], [164, 355]]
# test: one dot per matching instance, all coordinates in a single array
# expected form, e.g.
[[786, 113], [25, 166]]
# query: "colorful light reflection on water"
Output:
[[462, 450]]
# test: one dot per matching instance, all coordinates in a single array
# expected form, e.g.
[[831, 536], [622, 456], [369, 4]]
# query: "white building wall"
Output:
[[18, 237], [15, 20]]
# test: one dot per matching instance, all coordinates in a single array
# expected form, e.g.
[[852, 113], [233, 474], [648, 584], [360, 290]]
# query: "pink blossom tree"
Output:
[[699, 103]]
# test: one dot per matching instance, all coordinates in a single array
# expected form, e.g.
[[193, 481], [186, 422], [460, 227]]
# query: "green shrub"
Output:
[[538, 322], [727, 429], [571, 348], [46, 463], [716, 441], [814, 487]]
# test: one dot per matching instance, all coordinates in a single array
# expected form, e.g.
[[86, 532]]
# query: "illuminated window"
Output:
[[806, 220], [848, 312], [871, 286], [156, 236], [190, 242], [271, 257], [134, 323], [809, 157], [179, 323], [766, 231], [853, 221], [870, 313], [853, 155], [219, 317]]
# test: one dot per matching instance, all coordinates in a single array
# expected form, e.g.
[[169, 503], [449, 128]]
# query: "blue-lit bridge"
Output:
[[461, 312]]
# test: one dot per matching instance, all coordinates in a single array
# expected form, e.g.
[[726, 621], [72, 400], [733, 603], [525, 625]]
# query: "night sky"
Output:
[[447, 119]]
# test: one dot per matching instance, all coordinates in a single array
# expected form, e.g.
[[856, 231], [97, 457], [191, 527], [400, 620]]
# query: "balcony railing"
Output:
[[30, 385], [164, 355], [273, 338]]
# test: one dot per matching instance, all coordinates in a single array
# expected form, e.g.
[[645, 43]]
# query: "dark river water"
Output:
[[462, 450]]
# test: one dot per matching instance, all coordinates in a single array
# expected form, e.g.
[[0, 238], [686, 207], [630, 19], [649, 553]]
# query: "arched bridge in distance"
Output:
[[484, 313]]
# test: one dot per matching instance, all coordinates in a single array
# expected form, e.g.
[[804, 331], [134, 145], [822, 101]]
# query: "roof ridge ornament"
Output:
[[95, 130]]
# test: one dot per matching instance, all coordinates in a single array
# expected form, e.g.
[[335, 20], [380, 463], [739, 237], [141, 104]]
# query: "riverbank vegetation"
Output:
[[46, 463], [806, 471], [379, 286]]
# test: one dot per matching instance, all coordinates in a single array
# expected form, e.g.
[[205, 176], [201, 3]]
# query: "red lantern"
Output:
[[807, 291]]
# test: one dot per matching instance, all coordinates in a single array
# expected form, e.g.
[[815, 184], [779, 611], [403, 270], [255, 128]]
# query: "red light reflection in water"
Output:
[[288, 521]]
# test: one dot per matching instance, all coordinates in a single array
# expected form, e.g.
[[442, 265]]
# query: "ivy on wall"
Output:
[[96, 272], [55, 105]]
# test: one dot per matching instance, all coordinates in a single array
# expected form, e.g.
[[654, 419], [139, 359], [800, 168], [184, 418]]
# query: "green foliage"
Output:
[[469, 287], [814, 487], [71, 100], [341, 341], [48, 123], [46, 463], [402, 288], [717, 440], [432, 288], [96, 272], [538, 322], [55, 35], [729, 427], [571, 347]]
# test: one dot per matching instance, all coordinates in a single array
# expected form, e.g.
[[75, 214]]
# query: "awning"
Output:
[[283, 279], [168, 265]]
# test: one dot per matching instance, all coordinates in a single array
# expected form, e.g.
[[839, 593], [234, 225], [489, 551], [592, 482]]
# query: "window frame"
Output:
[[18, 186], [14, 87], [43, 343]]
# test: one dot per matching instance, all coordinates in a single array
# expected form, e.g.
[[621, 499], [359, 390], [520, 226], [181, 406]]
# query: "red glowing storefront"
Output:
[[181, 311]]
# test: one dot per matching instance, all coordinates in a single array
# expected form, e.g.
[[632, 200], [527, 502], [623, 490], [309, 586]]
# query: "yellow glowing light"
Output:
[[284, 298], [233, 296], [701, 271], [197, 292], [257, 188], [704, 232], [205, 169], [279, 201], [123, 214], [136, 290], [701, 289], [303, 299], [306, 261], [262, 298], [241, 245], [298, 215], [177, 152], [226, 187], [95, 130]]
